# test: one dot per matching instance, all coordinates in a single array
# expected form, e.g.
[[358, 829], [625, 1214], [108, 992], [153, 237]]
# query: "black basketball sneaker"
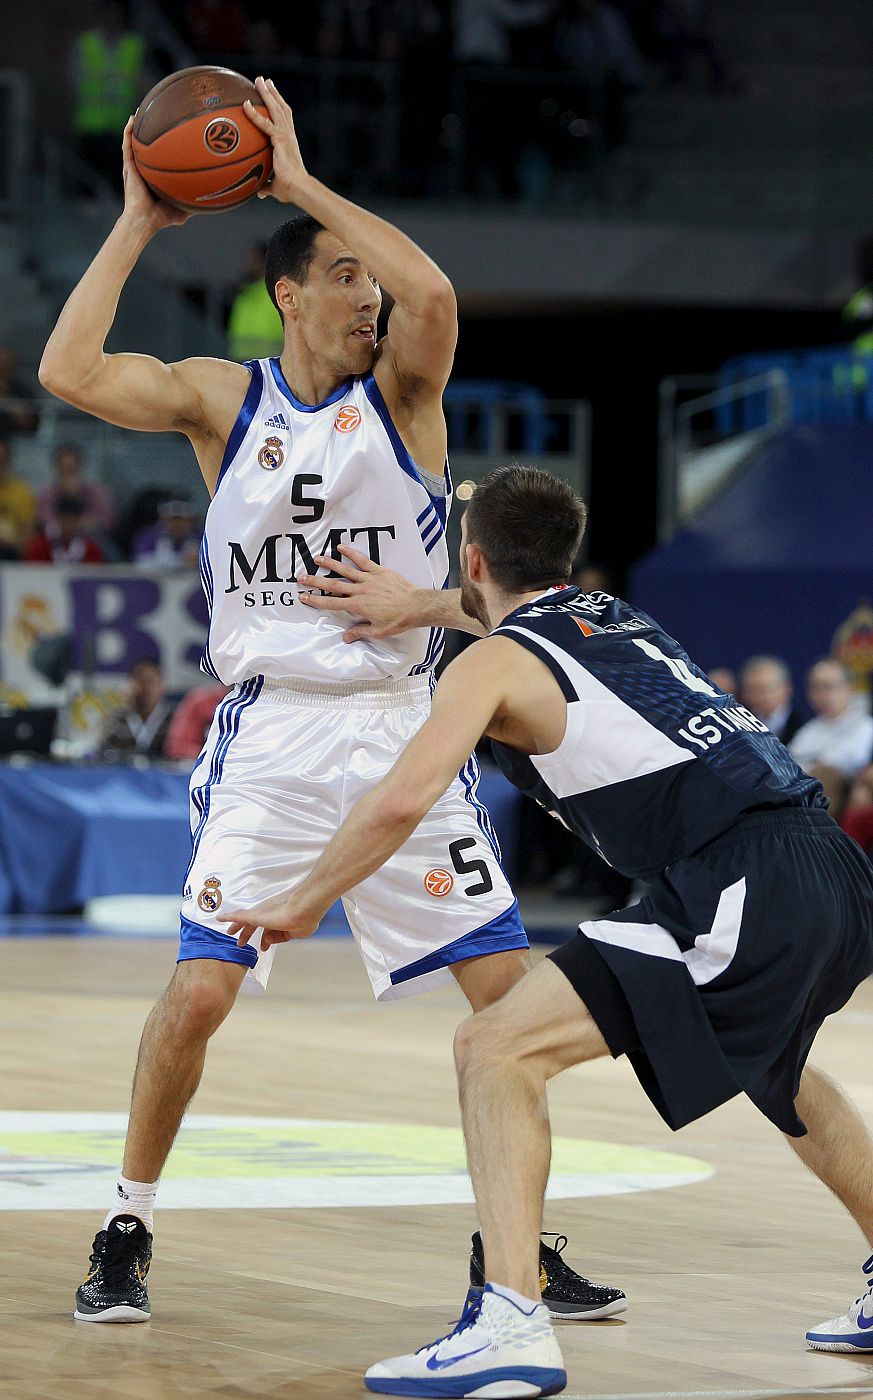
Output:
[[115, 1289], [570, 1297]]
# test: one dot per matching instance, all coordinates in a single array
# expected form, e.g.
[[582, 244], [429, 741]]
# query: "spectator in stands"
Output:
[[190, 724], [361, 138], [483, 27], [17, 503], [767, 690], [140, 725], [857, 313], [254, 326], [496, 109], [724, 678], [173, 542], [18, 414], [838, 742], [65, 539], [857, 816], [70, 480], [107, 74], [216, 26], [682, 27], [595, 40]]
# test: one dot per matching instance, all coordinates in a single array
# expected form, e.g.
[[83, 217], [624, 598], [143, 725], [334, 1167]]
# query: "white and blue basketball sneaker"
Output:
[[851, 1332], [497, 1352]]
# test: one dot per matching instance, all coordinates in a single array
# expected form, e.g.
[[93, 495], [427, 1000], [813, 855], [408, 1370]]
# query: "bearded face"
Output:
[[472, 598]]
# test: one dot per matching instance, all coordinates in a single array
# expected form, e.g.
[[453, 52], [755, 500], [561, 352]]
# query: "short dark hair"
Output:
[[528, 524], [290, 252]]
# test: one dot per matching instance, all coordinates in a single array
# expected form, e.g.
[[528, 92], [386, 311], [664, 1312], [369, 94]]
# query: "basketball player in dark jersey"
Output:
[[757, 925]]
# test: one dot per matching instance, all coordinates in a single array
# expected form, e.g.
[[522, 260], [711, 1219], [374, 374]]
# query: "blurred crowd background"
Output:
[[659, 220]]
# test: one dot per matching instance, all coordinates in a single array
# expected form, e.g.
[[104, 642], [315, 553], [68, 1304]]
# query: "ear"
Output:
[[288, 298], [474, 562]]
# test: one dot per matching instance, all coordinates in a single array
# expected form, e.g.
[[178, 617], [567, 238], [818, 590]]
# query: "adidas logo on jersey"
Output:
[[278, 420]]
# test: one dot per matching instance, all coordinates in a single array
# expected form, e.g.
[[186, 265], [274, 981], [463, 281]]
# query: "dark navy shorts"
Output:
[[718, 980]]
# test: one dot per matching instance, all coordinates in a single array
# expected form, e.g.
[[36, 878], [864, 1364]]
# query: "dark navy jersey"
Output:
[[655, 760]]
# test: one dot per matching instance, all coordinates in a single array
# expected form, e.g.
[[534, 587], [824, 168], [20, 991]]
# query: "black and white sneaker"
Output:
[[115, 1289], [570, 1297]]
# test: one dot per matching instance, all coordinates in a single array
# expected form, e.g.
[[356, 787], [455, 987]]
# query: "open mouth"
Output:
[[365, 332]]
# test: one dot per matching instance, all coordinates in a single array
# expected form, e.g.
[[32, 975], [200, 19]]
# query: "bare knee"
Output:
[[485, 1043], [199, 997]]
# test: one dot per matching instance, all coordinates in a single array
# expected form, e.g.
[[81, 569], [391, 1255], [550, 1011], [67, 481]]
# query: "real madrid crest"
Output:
[[209, 897], [271, 455]]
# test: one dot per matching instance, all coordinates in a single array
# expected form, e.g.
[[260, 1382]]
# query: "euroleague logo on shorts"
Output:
[[209, 897], [347, 419], [271, 455], [221, 136], [439, 883]]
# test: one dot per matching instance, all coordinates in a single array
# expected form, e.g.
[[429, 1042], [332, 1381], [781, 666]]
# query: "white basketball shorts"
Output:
[[283, 765]]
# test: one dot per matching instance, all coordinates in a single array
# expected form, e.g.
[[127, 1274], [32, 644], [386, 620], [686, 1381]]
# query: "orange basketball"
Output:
[[194, 145]]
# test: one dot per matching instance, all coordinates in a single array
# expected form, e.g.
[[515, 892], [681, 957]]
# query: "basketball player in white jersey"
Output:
[[339, 440]]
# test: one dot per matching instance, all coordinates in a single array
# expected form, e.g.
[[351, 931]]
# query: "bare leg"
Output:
[[171, 1055], [485, 980], [838, 1148], [504, 1057]]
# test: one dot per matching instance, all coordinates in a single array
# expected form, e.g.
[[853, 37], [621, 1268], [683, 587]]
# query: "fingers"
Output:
[[258, 119], [276, 105], [361, 633], [362, 561], [336, 566], [325, 604], [274, 935], [339, 587]]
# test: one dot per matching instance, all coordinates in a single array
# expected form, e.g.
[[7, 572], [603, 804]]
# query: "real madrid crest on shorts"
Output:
[[271, 455], [209, 897]]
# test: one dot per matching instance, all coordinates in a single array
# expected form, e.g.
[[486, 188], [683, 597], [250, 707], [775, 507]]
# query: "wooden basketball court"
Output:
[[724, 1273]]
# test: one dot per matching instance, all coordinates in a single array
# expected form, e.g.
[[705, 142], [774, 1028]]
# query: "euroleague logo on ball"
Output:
[[439, 883], [221, 136], [347, 419]]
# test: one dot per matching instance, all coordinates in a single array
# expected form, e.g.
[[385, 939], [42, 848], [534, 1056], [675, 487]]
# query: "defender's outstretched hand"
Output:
[[139, 202], [389, 603], [282, 919], [289, 172]]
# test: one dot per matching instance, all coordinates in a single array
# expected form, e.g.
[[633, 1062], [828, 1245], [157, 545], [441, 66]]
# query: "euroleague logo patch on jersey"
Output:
[[271, 455], [347, 419], [439, 883], [209, 897]]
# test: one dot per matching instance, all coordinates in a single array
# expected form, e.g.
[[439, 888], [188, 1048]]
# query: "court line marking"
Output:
[[783, 1394]]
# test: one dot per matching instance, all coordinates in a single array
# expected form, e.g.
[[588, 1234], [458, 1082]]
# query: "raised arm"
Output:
[[468, 696], [423, 327], [199, 397]]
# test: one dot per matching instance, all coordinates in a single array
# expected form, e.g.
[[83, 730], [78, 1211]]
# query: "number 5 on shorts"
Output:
[[485, 884]]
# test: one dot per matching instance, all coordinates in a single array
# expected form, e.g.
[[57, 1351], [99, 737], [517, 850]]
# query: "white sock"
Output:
[[134, 1198], [526, 1304]]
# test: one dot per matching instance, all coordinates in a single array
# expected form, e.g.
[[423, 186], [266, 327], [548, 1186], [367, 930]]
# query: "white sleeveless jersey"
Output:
[[299, 480]]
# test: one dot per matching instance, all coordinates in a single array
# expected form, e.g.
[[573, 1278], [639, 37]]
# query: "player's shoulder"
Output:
[[217, 390], [488, 657]]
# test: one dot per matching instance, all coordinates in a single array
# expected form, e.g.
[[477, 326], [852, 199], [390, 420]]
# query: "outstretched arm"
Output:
[[422, 329], [388, 603], [466, 699]]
